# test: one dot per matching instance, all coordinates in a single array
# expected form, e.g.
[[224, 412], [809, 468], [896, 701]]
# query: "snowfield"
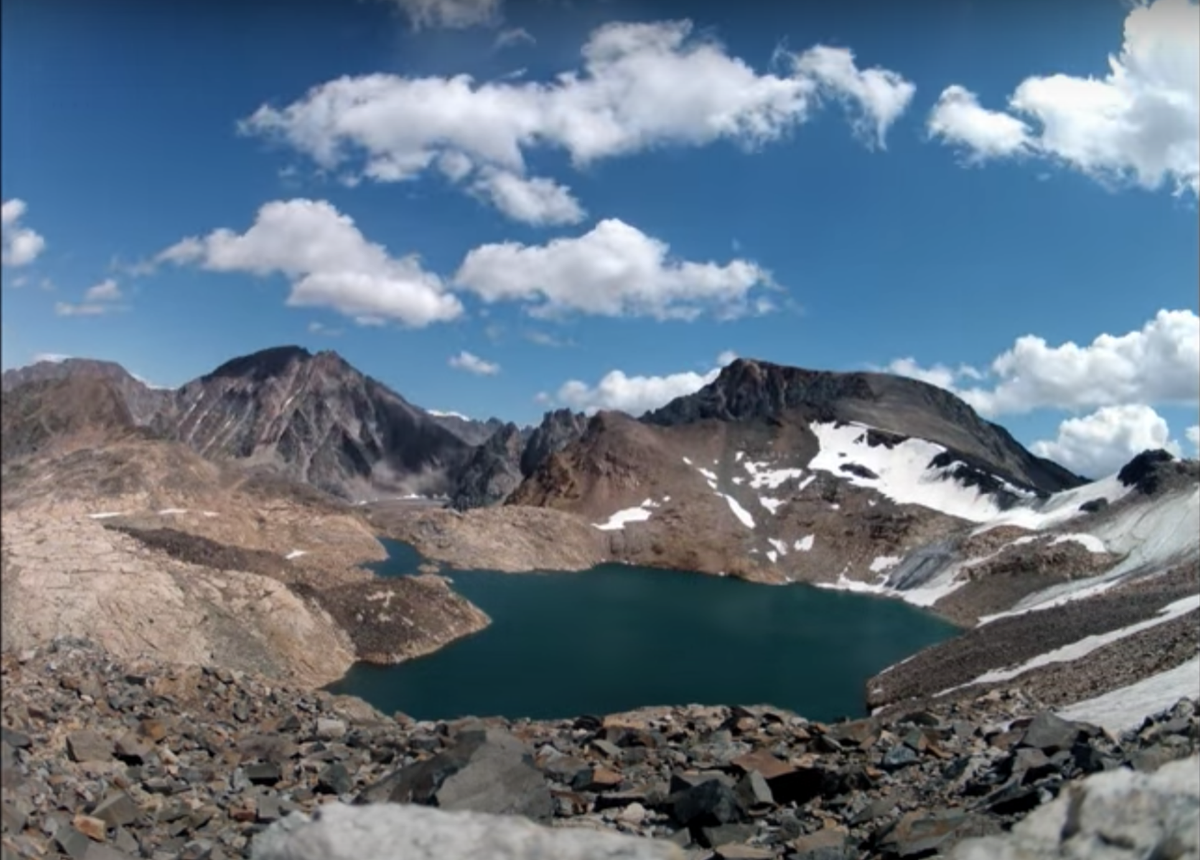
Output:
[[903, 471], [1126, 707]]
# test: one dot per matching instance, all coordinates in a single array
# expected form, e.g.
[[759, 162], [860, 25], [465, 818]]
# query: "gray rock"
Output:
[[900, 756], [330, 730], [918, 833], [117, 810], [753, 791], [335, 779], [263, 773], [710, 803], [88, 746], [823, 845], [1115, 815], [1050, 733], [388, 831], [485, 771]]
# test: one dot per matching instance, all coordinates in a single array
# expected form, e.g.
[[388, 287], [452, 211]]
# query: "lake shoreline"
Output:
[[705, 631]]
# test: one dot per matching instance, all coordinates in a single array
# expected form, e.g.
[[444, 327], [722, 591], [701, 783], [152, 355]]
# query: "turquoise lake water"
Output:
[[619, 637]]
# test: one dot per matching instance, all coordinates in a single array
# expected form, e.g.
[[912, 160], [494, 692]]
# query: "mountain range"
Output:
[[317, 419], [285, 467]]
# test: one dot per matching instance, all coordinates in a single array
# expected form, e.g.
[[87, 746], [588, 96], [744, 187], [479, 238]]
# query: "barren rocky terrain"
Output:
[[121, 759], [151, 550], [168, 599]]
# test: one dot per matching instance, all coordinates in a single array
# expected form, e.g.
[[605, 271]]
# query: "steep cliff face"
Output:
[[319, 420], [492, 472], [558, 430]]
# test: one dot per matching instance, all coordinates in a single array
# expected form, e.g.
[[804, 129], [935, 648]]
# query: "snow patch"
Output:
[[1126, 707], [1091, 543], [620, 518], [763, 477], [1153, 535], [884, 562], [106, 515], [770, 504], [805, 543], [296, 553], [738, 511], [903, 472], [1085, 646], [166, 512], [844, 583], [780, 546]]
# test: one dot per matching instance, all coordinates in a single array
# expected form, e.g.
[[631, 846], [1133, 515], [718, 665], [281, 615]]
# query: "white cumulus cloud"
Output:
[[1157, 364], [1193, 436], [1101, 443], [537, 200], [472, 363], [877, 96], [640, 86], [958, 118], [612, 270], [1140, 123], [634, 395], [19, 245], [329, 263], [939, 374]]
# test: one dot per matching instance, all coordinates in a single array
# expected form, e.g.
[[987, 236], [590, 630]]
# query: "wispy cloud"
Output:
[[472, 363]]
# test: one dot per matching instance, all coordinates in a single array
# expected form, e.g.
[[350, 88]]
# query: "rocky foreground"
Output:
[[104, 760]]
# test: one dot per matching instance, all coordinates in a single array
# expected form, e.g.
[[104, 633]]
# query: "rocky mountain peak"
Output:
[[752, 390], [260, 366], [1154, 471], [558, 429]]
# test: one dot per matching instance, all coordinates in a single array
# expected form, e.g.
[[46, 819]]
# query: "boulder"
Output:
[[388, 831], [485, 771], [1117, 815]]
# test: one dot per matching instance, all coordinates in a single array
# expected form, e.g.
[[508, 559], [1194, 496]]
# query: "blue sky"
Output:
[[499, 208]]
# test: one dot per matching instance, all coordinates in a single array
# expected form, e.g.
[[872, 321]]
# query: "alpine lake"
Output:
[[619, 637]]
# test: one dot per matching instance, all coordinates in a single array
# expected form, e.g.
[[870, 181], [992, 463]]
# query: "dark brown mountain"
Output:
[[317, 419], [749, 390], [312, 418], [727, 480]]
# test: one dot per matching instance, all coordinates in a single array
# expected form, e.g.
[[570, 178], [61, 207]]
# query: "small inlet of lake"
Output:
[[619, 637]]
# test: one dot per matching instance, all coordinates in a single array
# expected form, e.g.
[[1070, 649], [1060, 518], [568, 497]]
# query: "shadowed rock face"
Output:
[[319, 420], [492, 472], [312, 418], [558, 430], [748, 389]]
